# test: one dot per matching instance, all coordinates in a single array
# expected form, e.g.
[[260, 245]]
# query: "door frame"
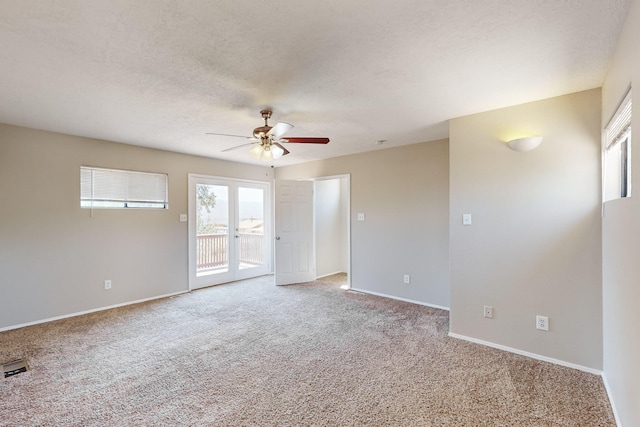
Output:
[[347, 178], [232, 275]]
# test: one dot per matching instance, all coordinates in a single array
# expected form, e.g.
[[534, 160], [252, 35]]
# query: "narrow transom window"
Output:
[[116, 188], [617, 153]]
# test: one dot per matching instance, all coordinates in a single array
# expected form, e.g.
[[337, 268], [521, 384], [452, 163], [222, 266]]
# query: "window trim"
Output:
[[617, 136]]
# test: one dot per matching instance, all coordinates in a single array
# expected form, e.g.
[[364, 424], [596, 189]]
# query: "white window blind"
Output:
[[617, 153], [115, 188]]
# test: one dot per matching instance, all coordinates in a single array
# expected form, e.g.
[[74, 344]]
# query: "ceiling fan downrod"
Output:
[[261, 132]]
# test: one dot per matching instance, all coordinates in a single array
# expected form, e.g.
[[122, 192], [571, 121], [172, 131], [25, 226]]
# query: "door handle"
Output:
[[277, 237]]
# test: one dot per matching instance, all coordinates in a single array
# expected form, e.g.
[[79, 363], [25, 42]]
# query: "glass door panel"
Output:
[[212, 229], [250, 231]]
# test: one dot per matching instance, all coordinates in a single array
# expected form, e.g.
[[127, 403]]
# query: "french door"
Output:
[[229, 230]]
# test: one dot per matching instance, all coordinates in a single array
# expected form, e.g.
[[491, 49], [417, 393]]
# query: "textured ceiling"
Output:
[[162, 73]]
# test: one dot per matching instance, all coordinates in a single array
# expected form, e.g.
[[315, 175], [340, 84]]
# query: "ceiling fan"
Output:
[[268, 140]]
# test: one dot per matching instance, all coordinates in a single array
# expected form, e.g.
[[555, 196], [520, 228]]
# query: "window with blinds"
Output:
[[616, 168], [118, 189]]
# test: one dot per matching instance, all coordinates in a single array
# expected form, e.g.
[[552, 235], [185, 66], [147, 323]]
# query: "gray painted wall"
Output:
[[621, 241], [534, 246], [404, 195], [54, 256]]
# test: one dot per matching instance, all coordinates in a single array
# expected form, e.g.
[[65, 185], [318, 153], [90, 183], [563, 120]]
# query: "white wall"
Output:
[[404, 195], [534, 246], [621, 242], [54, 256], [330, 227]]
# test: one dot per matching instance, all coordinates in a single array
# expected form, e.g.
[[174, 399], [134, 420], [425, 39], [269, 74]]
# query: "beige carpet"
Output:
[[251, 353]]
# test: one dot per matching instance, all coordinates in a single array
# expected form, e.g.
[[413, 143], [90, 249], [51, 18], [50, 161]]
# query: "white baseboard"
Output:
[[611, 401], [80, 313], [527, 354], [550, 360], [400, 299], [331, 274]]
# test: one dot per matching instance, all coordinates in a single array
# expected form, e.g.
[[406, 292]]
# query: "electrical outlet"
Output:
[[488, 312], [107, 285], [542, 323], [407, 279]]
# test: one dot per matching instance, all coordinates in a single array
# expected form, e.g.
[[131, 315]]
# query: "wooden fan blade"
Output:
[[283, 149], [303, 140], [237, 147], [226, 134], [279, 129]]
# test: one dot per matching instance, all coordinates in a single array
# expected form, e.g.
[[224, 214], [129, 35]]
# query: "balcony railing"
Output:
[[212, 250], [251, 248]]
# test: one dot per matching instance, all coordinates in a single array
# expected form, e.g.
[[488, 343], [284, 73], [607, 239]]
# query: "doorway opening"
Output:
[[332, 229], [312, 229]]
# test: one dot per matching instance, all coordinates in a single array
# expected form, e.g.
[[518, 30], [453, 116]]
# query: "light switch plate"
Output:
[[360, 216], [466, 219], [183, 217]]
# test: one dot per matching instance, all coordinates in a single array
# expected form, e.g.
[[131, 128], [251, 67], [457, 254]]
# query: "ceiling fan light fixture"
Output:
[[257, 151], [267, 155], [266, 152]]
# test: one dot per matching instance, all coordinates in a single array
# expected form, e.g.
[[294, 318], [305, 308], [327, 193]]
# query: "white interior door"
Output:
[[295, 258], [228, 230]]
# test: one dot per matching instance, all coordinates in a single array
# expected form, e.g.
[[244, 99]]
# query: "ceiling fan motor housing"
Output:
[[261, 132]]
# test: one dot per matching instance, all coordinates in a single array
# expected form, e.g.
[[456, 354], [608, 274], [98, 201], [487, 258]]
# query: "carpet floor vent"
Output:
[[14, 368]]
